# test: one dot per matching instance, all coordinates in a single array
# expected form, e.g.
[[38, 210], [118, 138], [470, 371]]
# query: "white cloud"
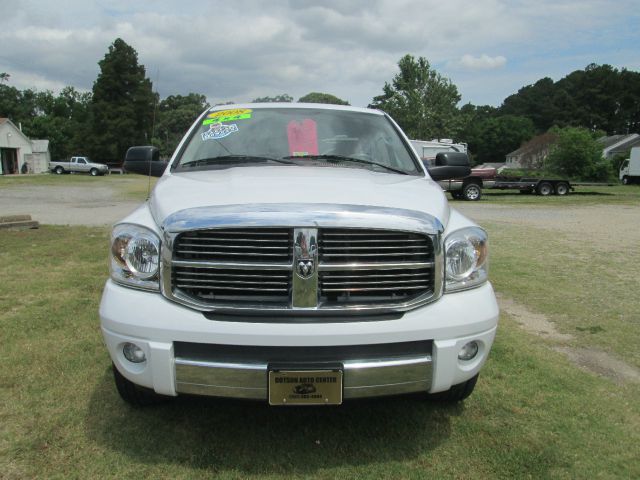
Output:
[[241, 50], [483, 62]]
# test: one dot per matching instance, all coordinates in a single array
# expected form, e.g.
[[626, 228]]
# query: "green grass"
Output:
[[533, 414], [587, 293], [582, 196]]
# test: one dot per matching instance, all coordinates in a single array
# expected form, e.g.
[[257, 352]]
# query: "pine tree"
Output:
[[122, 105]]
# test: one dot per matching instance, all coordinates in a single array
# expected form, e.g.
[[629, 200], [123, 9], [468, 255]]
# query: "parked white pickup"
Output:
[[79, 165]]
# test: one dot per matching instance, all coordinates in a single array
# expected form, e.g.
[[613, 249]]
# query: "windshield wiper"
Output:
[[226, 159], [343, 158]]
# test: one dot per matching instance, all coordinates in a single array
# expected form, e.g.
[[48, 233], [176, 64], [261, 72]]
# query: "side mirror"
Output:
[[450, 165], [145, 167], [145, 160]]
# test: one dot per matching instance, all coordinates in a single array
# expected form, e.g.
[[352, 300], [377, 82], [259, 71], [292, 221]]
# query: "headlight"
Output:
[[135, 256], [466, 254]]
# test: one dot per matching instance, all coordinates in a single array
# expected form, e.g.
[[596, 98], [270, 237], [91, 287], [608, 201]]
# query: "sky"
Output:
[[238, 50]]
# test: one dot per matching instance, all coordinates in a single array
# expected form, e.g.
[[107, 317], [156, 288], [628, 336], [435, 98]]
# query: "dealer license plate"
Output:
[[305, 387]]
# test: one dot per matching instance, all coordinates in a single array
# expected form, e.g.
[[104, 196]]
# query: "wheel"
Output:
[[59, 170], [562, 188], [544, 189], [456, 195], [133, 394], [457, 393], [94, 172], [471, 191], [625, 180]]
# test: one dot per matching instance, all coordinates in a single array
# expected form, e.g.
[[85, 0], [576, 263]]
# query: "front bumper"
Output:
[[170, 334]]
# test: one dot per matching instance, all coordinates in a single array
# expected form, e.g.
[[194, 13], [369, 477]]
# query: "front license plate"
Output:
[[305, 387]]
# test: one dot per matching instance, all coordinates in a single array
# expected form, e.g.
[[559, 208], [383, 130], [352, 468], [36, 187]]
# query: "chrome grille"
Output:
[[220, 269], [257, 245], [374, 266]]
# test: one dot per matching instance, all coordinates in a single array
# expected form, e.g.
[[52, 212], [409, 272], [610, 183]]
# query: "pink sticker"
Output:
[[303, 137]]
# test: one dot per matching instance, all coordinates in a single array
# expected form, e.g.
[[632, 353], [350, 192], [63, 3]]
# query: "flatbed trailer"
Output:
[[541, 186]]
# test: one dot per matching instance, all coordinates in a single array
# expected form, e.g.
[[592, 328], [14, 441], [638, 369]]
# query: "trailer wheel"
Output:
[[472, 192], [544, 189], [562, 188]]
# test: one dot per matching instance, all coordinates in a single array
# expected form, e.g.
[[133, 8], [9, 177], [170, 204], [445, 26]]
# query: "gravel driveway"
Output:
[[611, 228], [103, 205], [66, 205]]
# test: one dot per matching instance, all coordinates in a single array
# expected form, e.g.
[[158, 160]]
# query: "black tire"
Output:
[[133, 394], [59, 170], [625, 180], [94, 172], [457, 195], [457, 393], [544, 189], [562, 188], [472, 192]]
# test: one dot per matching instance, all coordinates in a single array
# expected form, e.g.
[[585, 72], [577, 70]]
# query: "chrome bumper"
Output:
[[367, 378]]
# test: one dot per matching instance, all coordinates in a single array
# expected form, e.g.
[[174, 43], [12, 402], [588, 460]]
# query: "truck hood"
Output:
[[294, 184]]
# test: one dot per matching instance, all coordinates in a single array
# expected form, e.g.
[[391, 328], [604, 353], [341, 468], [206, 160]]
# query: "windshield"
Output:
[[296, 136]]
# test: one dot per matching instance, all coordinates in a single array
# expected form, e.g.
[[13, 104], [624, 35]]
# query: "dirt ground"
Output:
[[66, 205], [597, 222]]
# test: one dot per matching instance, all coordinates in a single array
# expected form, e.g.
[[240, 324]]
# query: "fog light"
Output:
[[469, 351], [133, 353]]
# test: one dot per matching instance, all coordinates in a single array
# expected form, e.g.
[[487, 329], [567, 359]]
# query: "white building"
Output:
[[19, 154]]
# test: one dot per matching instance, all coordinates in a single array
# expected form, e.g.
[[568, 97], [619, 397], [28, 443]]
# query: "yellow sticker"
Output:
[[230, 113]]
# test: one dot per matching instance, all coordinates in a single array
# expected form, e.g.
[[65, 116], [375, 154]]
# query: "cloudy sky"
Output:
[[237, 50]]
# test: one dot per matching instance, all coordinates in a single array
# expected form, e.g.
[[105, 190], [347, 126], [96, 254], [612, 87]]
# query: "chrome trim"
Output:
[[345, 267], [300, 217], [304, 289], [312, 215], [232, 265], [362, 378]]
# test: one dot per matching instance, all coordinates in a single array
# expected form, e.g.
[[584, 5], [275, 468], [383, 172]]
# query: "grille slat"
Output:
[[420, 281], [372, 289]]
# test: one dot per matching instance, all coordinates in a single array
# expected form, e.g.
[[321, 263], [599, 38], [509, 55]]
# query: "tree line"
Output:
[[123, 110]]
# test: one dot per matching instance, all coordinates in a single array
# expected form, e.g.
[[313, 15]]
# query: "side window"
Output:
[[155, 156], [81, 161]]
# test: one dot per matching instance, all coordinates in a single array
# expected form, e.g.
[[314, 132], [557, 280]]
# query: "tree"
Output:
[[599, 97], [317, 97], [4, 77], [278, 98], [421, 100], [577, 154], [493, 137], [122, 105], [175, 115]]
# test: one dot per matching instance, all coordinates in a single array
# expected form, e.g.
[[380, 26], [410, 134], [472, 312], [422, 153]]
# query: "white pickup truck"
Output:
[[298, 254], [79, 165]]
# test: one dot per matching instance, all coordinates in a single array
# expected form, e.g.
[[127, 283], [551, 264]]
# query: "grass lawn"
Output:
[[616, 195], [534, 414]]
